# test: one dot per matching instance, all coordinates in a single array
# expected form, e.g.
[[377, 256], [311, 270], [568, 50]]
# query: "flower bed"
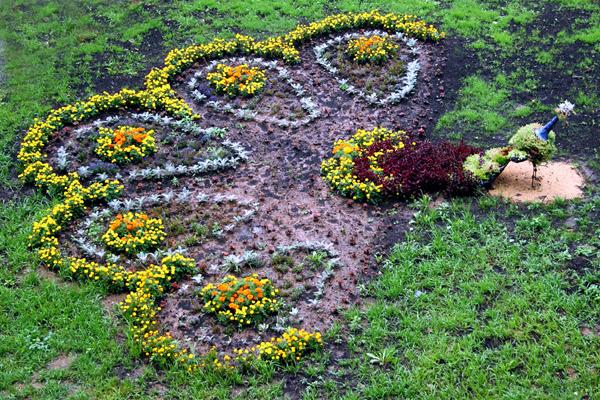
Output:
[[305, 110], [134, 232], [379, 163], [186, 149], [125, 144], [389, 83], [245, 301], [238, 80], [78, 185]]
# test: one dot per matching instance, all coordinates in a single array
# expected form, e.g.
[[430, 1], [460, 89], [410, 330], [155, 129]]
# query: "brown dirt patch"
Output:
[[45, 273], [590, 331], [111, 301], [63, 361], [555, 180]]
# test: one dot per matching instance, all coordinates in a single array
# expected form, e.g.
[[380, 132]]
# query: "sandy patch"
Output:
[[555, 180], [61, 362]]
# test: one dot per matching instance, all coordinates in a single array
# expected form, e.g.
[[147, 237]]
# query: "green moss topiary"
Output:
[[481, 166], [517, 155], [537, 150], [498, 155]]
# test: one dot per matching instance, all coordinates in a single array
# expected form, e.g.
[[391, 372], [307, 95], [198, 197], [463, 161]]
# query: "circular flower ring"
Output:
[[374, 49], [237, 80], [246, 300], [131, 233], [125, 144]]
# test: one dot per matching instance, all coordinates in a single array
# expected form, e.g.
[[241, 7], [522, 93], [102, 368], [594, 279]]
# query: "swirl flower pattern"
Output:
[[150, 127]]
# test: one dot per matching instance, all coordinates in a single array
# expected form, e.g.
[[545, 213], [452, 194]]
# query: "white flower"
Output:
[[565, 108]]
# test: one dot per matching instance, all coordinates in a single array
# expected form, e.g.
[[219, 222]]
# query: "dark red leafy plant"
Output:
[[420, 167]]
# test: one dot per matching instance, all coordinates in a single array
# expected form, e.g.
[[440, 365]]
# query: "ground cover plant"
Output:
[[238, 192]]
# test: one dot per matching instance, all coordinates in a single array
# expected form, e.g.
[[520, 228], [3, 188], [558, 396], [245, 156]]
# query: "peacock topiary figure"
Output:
[[538, 150], [538, 141], [533, 142]]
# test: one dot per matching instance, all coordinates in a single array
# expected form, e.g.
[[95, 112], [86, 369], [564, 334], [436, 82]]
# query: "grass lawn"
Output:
[[479, 298]]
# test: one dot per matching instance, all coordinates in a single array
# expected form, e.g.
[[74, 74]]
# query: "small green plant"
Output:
[[382, 357], [216, 229], [199, 229], [316, 259], [279, 259]]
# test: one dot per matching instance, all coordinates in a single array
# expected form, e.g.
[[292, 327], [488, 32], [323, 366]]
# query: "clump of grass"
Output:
[[480, 107]]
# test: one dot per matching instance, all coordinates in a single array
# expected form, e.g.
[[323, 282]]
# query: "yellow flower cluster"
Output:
[[407, 24], [125, 144], [140, 309], [288, 348], [239, 79], [246, 300], [131, 233], [375, 49], [45, 231], [338, 171]]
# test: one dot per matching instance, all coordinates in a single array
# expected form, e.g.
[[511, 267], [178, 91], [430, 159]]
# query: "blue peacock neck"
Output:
[[543, 132]]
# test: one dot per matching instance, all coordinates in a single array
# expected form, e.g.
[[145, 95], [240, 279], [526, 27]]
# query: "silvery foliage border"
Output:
[[408, 82], [183, 196], [327, 273], [239, 154], [233, 263], [307, 102]]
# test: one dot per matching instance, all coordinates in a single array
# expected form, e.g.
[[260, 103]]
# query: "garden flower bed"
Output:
[[233, 182], [387, 77]]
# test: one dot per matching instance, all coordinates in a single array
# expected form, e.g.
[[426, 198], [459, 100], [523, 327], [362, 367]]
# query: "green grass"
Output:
[[470, 308], [478, 286], [481, 106]]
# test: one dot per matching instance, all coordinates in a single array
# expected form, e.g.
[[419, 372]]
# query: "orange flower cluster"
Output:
[[133, 232], [122, 135], [239, 79], [375, 49], [245, 301], [125, 144]]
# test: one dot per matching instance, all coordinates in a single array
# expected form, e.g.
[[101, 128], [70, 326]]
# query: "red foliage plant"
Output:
[[420, 167]]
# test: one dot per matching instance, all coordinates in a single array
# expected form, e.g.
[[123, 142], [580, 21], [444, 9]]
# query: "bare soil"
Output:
[[557, 179]]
